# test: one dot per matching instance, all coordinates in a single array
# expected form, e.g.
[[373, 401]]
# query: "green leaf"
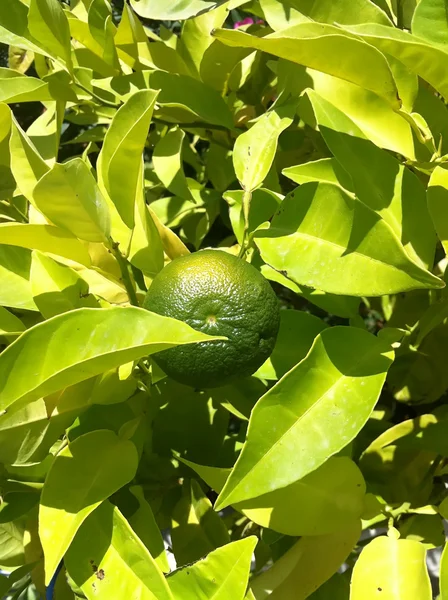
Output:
[[444, 574], [181, 98], [14, 26], [377, 119], [100, 340], [324, 501], [15, 266], [7, 183], [83, 474], [107, 560], [263, 205], [27, 433], [196, 37], [144, 524], [430, 22], [344, 257], [6, 583], [224, 573], [103, 30], [45, 238], [196, 528], [328, 170], [9, 323], [437, 194], [379, 180], [342, 306], [343, 12], [176, 10], [49, 26], [295, 338], [120, 157], [427, 529], [319, 407], [426, 61], [16, 87], [68, 195], [44, 132], [27, 165], [307, 565], [146, 248], [336, 588], [167, 159], [57, 288], [325, 48], [12, 550], [384, 565], [254, 150]]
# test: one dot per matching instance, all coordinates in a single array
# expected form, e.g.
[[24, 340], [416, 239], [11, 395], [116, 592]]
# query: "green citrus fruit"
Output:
[[218, 294]]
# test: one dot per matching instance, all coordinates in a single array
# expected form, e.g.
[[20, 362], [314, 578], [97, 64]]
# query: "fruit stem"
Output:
[[125, 274]]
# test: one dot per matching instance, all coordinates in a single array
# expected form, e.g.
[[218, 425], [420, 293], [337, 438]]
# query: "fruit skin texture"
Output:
[[218, 294]]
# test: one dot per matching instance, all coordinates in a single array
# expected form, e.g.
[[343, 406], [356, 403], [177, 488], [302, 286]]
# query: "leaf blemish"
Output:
[[100, 574]]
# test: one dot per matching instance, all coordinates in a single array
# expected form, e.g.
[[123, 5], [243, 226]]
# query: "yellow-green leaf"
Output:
[[391, 569], [313, 412], [86, 472], [325, 48], [69, 197]]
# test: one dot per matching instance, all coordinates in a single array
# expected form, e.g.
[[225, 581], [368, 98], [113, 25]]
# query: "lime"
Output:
[[218, 294]]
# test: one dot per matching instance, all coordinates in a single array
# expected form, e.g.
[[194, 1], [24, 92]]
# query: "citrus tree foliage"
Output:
[[309, 138]]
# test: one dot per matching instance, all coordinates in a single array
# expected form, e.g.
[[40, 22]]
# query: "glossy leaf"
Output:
[[379, 181], [135, 333], [177, 10], [83, 210], [325, 169], [263, 205], [9, 323], [339, 381], [374, 116], [16, 87], [15, 266], [324, 48], [146, 247], [27, 165], [28, 432], [48, 24], [444, 574], [223, 573], [254, 150], [345, 12], [394, 567], [144, 524], [342, 306], [324, 501], [344, 257], [425, 60], [119, 160], [430, 22], [83, 474], [196, 528], [295, 337], [107, 559], [180, 97], [196, 36], [168, 166], [45, 238], [438, 203], [57, 288], [306, 566]]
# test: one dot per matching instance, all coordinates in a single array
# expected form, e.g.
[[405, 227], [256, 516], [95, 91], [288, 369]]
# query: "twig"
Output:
[[125, 274]]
